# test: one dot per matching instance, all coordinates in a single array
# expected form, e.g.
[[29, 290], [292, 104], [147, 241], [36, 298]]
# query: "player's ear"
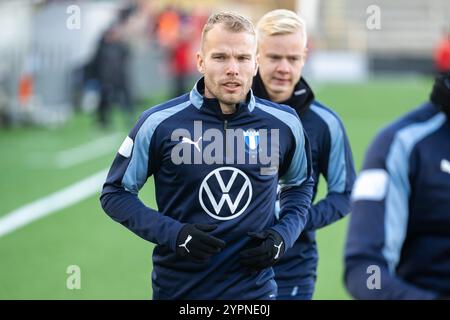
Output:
[[256, 64], [200, 63]]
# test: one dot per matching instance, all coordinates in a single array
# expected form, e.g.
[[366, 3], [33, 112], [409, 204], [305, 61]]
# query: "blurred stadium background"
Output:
[[54, 153]]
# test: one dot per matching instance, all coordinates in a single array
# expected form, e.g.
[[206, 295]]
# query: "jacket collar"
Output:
[[198, 99]]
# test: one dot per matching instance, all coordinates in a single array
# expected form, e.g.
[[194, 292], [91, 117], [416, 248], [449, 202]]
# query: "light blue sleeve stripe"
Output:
[[337, 170], [396, 203], [136, 173], [297, 172]]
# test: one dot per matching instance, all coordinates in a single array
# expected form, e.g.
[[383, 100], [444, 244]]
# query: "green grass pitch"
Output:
[[114, 263]]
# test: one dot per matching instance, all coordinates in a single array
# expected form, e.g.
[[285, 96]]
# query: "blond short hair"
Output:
[[281, 21], [232, 22]]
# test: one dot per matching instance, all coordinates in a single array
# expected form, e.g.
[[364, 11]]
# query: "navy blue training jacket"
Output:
[[398, 244], [195, 182]]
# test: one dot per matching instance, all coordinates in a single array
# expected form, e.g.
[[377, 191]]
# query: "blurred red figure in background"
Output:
[[442, 53], [181, 62], [25, 89]]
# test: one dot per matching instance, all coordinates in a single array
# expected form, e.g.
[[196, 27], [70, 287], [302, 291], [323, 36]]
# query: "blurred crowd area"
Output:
[[61, 57]]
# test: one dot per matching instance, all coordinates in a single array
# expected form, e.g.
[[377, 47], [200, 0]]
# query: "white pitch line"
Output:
[[52, 203], [88, 151]]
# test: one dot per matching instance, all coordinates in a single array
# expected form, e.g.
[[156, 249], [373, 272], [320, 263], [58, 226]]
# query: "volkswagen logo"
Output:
[[226, 185]]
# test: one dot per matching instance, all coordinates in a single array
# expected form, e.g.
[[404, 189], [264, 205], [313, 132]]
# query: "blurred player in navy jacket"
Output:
[[282, 54], [398, 244]]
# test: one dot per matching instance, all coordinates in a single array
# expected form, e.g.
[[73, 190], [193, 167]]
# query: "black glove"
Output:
[[268, 248], [195, 243]]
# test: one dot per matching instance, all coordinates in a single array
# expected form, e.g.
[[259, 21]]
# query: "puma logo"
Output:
[[189, 238], [278, 251], [445, 166], [187, 140]]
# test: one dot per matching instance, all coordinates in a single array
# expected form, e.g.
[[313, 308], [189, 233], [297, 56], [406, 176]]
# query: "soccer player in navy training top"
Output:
[[217, 155], [398, 244], [282, 53]]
